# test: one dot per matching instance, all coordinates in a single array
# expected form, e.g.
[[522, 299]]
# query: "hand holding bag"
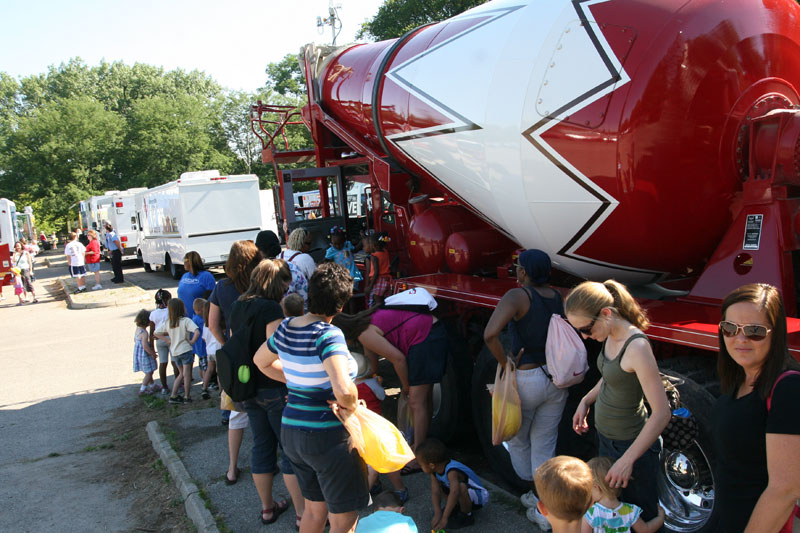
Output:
[[506, 409]]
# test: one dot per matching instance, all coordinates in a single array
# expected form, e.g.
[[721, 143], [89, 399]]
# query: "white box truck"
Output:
[[120, 212], [202, 212]]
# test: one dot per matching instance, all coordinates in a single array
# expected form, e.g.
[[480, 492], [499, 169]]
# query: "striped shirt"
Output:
[[302, 349]]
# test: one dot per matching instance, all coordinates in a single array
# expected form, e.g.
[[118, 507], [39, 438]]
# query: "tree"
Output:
[[286, 77], [396, 17]]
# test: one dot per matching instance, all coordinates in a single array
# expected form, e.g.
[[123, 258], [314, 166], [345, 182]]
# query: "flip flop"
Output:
[[411, 468], [278, 508], [233, 481]]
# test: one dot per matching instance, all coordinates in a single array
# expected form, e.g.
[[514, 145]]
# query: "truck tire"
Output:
[[686, 476], [498, 456], [174, 270], [147, 266], [444, 417]]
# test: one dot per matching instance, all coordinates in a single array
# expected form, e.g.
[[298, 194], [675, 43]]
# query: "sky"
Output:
[[231, 40]]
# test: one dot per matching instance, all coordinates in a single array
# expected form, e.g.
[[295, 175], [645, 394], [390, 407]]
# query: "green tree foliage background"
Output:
[[396, 17]]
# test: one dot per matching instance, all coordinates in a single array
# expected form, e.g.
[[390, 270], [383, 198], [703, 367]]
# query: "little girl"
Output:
[[608, 513], [341, 251], [379, 276], [200, 346], [212, 345], [19, 288], [144, 357], [157, 317], [182, 334]]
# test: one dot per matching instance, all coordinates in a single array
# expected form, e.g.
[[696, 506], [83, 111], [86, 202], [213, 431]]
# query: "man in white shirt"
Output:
[[75, 253]]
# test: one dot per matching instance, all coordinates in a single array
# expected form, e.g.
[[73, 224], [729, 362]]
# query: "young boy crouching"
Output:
[[456, 482], [564, 485]]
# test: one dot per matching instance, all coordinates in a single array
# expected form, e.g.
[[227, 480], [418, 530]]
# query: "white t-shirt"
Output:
[[179, 336], [75, 251], [158, 316], [303, 261], [212, 344]]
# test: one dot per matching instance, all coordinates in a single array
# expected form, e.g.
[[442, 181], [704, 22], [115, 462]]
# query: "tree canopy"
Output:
[[396, 17]]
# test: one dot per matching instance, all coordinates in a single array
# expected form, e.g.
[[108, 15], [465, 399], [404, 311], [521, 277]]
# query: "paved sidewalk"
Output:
[[203, 446]]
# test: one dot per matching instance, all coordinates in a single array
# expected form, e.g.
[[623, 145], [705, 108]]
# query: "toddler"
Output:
[[19, 288], [200, 346], [182, 334], [388, 516], [212, 345], [144, 357], [341, 251], [608, 513], [455, 481], [379, 275], [564, 485], [293, 305], [157, 317]]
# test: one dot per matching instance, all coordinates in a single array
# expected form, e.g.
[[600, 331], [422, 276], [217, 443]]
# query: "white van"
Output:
[[202, 212]]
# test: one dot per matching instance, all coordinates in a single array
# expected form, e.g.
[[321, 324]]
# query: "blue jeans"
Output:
[[265, 412], [642, 487]]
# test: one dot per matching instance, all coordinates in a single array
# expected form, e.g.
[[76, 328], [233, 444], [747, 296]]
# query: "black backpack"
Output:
[[235, 368]]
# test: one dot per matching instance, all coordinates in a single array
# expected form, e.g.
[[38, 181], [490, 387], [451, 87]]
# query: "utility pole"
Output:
[[333, 20]]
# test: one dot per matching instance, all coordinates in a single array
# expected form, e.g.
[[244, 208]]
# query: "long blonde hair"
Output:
[[591, 297]]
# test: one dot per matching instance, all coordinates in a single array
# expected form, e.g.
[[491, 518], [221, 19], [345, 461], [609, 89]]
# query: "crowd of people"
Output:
[[312, 356]]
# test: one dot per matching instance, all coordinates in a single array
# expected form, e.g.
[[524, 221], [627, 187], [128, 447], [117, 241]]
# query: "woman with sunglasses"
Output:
[[526, 311], [606, 312], [756, 420]]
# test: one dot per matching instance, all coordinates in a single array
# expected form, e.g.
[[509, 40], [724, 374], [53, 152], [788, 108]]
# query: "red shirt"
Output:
[[93, 251]]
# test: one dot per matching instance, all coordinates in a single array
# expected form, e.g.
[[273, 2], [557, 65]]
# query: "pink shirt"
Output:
[[401, 334]]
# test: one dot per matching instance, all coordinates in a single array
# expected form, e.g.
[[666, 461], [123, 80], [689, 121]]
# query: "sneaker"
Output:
[[402, 494], [187, 400], [539, 519], [145, 392], [176, 399], [205, 395], [213, 386], [459, 520], [80, 291], [97, 287], [155, 387], [529, 499], [164, 392]]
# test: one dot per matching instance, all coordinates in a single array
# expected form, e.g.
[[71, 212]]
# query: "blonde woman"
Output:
[[606, 312]]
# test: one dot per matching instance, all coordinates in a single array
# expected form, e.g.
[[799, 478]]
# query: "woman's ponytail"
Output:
[[625, 305]]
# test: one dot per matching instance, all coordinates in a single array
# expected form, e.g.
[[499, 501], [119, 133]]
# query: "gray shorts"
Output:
[[162, 347]]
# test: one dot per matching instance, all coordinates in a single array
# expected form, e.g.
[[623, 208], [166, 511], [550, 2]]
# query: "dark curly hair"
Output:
[[329, 288]]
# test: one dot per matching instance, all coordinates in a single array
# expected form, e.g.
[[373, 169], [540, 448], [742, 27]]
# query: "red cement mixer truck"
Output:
[[654, 142]]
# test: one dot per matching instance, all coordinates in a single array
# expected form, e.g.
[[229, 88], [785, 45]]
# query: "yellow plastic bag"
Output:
[[506, 410], [377, 440], [225, 402]]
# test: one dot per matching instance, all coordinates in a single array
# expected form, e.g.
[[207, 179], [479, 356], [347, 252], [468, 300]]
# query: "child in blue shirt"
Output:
[[388, 516], [200, 345], [461, 487], [341, 251]]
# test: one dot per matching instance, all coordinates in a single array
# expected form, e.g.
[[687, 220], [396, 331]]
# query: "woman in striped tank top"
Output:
[[313, 358]]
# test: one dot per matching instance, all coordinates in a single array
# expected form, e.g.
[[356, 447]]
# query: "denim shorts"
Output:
[[93, 267], [427, 360], [184, 359], [642, 489], [265, 412], [327, 469]]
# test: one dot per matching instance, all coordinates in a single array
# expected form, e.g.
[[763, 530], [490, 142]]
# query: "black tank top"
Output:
[[530, 331]]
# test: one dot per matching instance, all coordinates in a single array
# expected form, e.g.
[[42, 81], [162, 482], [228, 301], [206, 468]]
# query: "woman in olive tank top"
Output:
[[606, 312]]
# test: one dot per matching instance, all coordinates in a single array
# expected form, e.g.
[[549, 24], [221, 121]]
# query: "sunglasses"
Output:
[[754, 332], [587, 330]]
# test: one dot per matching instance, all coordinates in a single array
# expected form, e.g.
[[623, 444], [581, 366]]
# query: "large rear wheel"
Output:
[[174, 270], [686, 477]]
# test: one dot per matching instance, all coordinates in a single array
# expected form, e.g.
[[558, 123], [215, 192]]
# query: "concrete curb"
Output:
[[72, 304], [194, 503]]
